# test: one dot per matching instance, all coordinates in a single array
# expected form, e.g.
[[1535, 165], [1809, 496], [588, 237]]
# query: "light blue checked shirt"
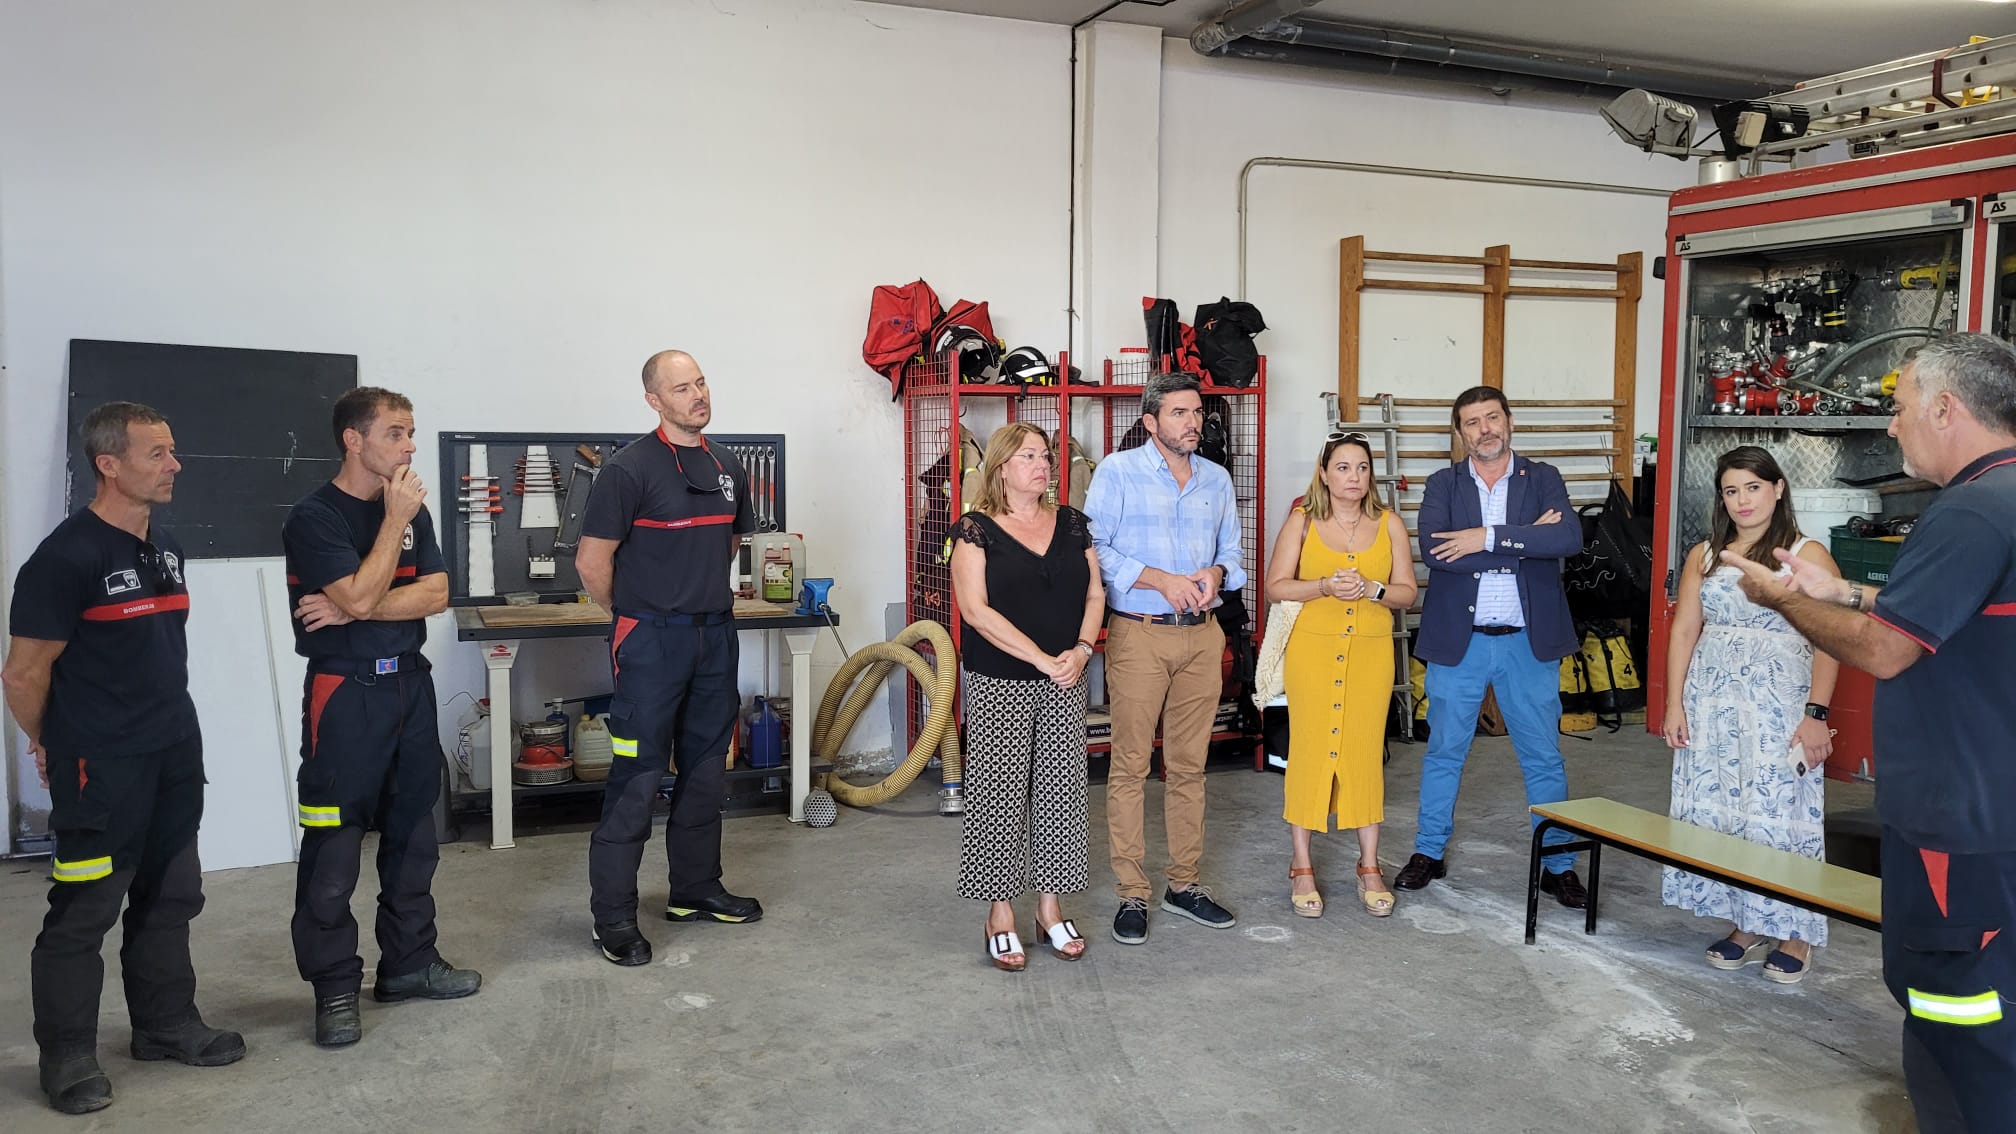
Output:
[[1498, 593], [1140, 519]]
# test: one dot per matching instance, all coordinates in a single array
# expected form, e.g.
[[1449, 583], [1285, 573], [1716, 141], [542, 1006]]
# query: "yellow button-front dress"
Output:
[[1339, 674]]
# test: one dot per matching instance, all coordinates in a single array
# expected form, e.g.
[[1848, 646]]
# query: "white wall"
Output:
[[503, 206], [1217, 114]]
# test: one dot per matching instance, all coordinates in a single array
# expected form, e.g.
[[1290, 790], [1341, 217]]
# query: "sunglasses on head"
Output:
[[1353, 435]]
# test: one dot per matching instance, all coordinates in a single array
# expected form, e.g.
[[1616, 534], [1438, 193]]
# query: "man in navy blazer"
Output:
[[1494, 531]]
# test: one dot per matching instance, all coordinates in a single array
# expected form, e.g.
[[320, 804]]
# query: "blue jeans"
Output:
[[1529, 696]]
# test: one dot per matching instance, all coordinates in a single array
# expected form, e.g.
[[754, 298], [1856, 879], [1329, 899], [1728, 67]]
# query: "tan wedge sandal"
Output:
[[1306, 905], [1378, 903]]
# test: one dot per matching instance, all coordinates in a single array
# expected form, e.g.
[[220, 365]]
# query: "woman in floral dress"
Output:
[[1748, 725]]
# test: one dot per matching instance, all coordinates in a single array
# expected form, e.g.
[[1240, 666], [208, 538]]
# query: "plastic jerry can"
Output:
[[766, 736]]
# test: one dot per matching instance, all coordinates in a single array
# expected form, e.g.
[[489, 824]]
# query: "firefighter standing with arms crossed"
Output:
[[97, 676], [364, 571]]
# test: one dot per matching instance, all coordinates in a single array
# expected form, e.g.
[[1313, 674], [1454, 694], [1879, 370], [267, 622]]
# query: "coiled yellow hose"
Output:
[[854, 687]]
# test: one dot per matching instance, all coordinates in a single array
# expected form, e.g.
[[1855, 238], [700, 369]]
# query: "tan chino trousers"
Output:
[[1172, 675]]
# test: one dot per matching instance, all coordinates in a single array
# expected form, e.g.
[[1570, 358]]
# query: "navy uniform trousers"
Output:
[[1949, 957], [125, 830], [370, 757], [675, 705]]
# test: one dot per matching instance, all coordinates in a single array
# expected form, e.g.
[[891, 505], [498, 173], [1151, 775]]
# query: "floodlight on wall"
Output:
[[1653, 123]]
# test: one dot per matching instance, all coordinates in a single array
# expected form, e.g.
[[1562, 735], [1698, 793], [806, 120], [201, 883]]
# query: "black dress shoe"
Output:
[[721, 907], [337, 1021], [75, 1083], [1419, 871], [622, 943], [438, 981], [1566, 888], [192, 1042]]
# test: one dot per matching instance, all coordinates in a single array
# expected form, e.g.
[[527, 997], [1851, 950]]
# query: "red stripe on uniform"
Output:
[[320, 690], [695, 522], [405, 572], [1988, 936], [1935, 873], [138, 608], [1922, 643], [623, 628], [293, 580], [1996, 465], [82, 779], [2002, 609]]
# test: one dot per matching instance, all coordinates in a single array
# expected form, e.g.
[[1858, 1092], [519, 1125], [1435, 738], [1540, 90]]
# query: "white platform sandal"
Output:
[[1060, 935], [1003, 946]]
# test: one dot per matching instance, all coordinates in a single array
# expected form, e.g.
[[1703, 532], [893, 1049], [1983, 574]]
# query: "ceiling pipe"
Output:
[[1272, 30], [1495, 82], [1440, 51], [1211, 35]]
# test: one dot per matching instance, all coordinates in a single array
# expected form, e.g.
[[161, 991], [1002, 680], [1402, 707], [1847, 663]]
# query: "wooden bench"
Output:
[[1808, 883]]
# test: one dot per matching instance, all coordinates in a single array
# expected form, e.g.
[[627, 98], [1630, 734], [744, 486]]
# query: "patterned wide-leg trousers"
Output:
[[1025, 826]]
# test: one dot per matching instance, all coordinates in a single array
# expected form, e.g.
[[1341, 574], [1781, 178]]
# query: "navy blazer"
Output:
[[1533, 552]]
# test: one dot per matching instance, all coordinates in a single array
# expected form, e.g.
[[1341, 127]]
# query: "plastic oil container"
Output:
[[592, 752], [472, 749], [766, 736], [780, 560]]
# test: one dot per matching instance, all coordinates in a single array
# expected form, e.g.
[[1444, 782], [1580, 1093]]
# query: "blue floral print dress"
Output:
[[1746, 692]]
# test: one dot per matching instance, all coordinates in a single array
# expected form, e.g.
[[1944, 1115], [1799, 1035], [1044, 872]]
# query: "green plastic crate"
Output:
[[1864, 559]]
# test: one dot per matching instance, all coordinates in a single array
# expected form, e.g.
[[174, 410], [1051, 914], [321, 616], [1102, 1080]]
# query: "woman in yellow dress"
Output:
[[1348, 560]]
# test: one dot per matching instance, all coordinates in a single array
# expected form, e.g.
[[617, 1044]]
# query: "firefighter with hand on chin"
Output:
[[364, 571]]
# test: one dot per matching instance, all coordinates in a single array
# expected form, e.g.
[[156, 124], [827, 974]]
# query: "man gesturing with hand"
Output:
[[1166, 529]]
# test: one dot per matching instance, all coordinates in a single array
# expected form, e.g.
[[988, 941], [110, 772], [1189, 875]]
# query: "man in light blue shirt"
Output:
[[1166, 527]]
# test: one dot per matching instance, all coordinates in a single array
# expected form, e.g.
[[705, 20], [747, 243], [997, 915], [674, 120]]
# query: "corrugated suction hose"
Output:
[[854, 687]]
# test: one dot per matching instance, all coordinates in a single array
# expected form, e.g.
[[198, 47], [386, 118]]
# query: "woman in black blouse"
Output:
[[1027, 585]]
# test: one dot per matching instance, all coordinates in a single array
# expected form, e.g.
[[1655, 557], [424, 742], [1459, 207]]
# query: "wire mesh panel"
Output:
[[1132, 368], [931, 485]]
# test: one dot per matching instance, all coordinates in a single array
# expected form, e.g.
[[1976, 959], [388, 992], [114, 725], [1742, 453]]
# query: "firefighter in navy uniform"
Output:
[[364, 571], [656, 542], [97, 676], [1941, 639]]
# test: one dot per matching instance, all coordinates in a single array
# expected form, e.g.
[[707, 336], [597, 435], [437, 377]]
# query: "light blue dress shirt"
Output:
[[1141, 519]]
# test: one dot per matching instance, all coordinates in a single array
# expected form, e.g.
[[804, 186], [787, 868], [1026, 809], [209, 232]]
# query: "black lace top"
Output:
[[1041, 595]]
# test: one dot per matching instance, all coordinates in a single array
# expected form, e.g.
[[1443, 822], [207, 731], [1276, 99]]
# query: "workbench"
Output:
[[501, 630]]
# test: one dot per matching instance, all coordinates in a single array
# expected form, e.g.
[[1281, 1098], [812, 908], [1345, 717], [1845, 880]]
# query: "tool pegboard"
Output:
[[509, 506]]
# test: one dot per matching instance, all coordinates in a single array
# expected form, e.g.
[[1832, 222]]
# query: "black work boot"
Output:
[[192, 1042], [74, 1082], [623, 943], [337, 1021], [438, 981], [721, 907]]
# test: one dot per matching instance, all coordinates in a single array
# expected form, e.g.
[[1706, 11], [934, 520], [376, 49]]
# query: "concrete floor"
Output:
[[862, 1000]]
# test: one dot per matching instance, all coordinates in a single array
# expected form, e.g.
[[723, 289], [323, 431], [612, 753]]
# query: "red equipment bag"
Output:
[[899, 319]]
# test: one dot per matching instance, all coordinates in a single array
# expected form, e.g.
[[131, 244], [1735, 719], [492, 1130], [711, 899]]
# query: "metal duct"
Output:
[[1326, 43], [1496, 82], [1208, 37]]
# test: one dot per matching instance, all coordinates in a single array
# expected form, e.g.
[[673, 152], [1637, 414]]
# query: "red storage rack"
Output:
[[1099, 417]]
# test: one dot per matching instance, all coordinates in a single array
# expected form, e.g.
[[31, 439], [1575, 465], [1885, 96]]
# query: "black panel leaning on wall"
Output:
[[251, 430]]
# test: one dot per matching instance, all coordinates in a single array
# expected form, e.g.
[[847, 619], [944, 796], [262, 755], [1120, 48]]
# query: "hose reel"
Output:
[[854, 687]]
